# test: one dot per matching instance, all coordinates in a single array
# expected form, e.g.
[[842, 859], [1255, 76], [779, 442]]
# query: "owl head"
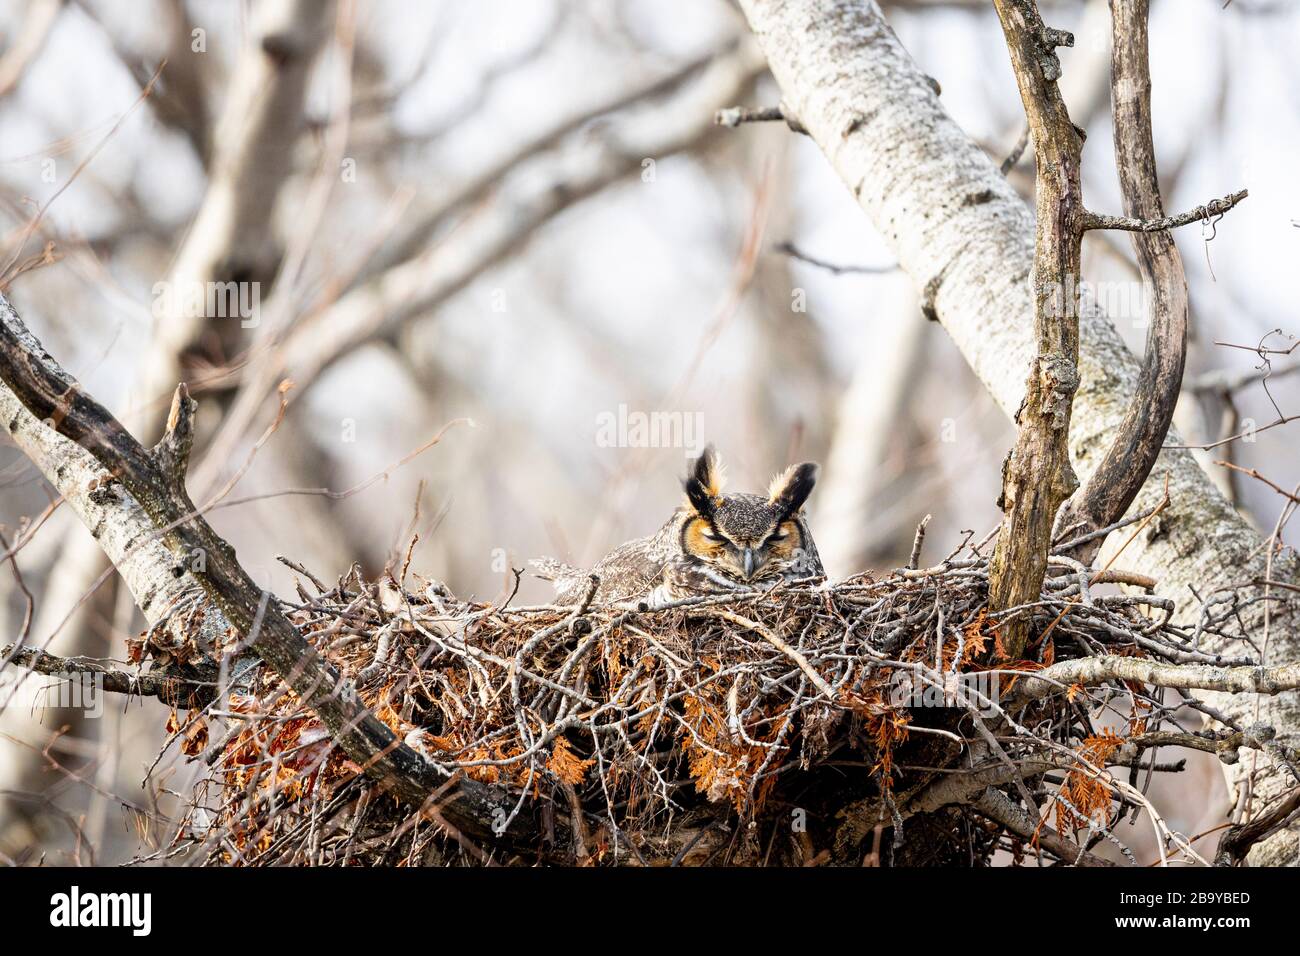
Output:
[[747, 537]]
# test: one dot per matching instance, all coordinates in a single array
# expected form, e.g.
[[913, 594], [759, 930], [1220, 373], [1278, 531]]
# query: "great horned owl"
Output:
[[713, 543]]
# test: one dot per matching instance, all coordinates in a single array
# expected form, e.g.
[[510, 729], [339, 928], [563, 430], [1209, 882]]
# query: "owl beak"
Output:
[[749, 563]]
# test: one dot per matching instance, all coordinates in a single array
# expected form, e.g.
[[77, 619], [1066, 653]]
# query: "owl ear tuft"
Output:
[[790, 489], [705, 482]]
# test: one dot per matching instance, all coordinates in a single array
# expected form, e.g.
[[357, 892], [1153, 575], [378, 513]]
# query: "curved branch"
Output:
[[998, 807], [1133, 451]]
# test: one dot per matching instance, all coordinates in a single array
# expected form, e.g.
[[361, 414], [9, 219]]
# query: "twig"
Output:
[[802, 662], [1016, 153], [1253, 473], [788, 248], [1210, 446], [167, 687], [734, 116], [917, 543], [1215, 207]]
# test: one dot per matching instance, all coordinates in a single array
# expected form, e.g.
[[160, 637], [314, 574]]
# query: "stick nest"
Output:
[[808, 724]]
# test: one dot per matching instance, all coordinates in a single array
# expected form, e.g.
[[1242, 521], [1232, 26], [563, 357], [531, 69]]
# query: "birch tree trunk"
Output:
[[959, 230], [116, 521], [231, 240]]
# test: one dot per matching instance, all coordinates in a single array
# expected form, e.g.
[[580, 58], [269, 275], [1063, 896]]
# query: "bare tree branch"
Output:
[[170, 689], [420, 284], [1097, 670], [41, 15], [733, 116], [1132, 454], [868, 107], [32, 376], [997, 806], [1038, 475], [1158, 222]]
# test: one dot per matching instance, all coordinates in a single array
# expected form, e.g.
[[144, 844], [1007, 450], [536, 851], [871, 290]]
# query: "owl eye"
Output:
[[778, 536], [710, 534]]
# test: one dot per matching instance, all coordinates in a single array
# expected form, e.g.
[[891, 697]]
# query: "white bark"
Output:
[[966, 239], [125, 533], [254, 137]]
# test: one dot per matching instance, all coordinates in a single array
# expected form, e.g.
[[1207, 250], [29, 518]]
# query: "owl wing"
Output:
[[810, 563], [549, 569], [685, 576], [631, 570]]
